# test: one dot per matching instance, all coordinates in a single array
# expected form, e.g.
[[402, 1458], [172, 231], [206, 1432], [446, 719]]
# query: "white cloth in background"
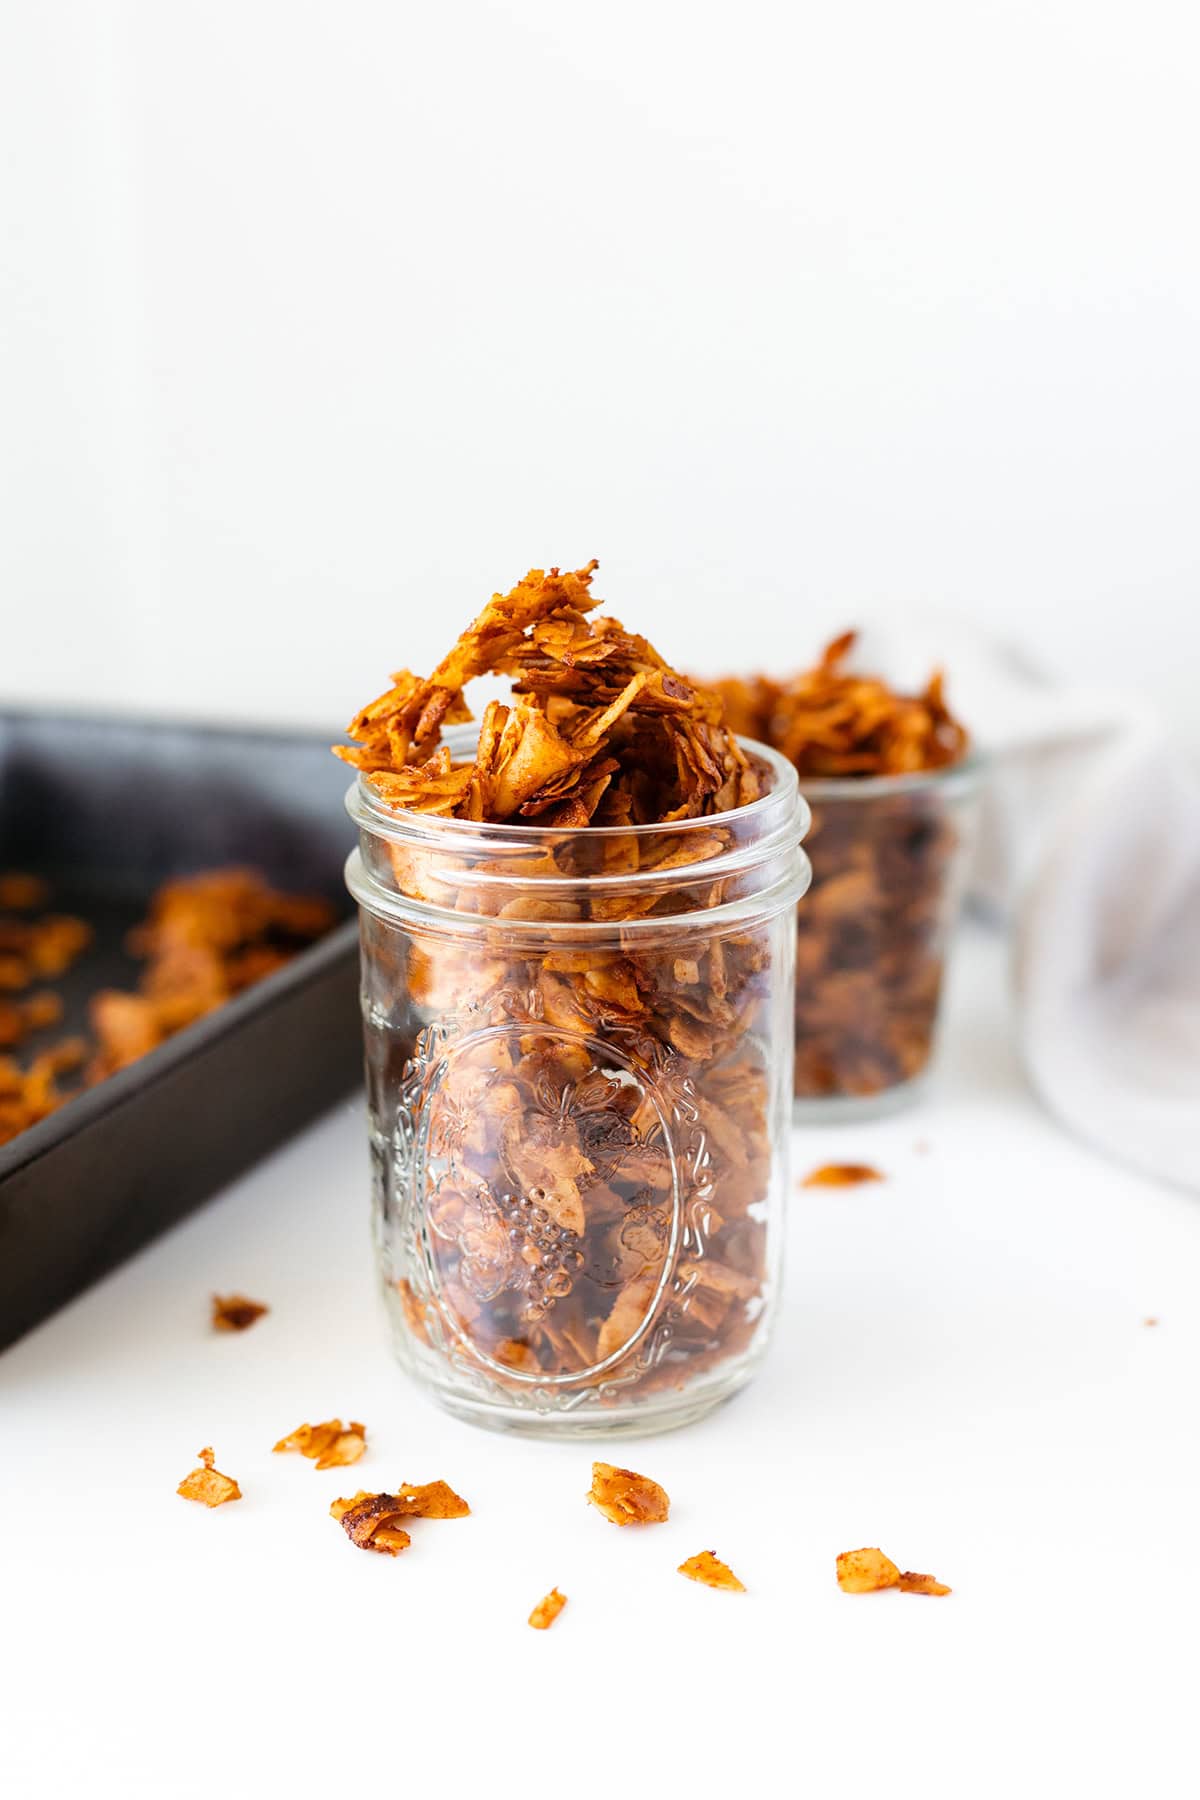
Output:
[[1090, 848], [1108, 957]]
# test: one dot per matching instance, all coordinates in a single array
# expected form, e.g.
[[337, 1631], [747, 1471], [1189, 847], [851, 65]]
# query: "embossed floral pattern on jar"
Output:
[[579, 1065]]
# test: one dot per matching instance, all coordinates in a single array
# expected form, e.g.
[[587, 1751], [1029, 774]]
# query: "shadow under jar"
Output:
[[579, 1076], [889, 856]]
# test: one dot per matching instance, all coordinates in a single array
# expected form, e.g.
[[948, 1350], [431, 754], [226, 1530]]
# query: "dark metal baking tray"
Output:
[[107, 810]]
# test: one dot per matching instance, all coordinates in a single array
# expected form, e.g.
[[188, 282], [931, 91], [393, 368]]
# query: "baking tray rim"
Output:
[[152, 721]]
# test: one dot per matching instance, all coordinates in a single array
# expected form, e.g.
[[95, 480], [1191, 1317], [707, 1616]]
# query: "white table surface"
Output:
[[962, 1375]]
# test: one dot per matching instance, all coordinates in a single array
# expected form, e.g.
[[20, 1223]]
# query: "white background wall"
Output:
[[320, 321]]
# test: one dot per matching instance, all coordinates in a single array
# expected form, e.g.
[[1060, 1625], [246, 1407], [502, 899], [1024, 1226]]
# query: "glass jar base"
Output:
[[643, 1420], [839, 1109], [665, 1410]]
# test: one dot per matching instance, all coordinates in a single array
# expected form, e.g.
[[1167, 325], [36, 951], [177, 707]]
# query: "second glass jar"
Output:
[[889, 856]]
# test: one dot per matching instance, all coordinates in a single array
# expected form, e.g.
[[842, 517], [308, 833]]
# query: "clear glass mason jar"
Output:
[[889, 856], [579, 1077]]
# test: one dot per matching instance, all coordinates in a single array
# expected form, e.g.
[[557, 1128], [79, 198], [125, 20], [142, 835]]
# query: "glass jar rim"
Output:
[[766, 834], [964, 774], [398, 824]]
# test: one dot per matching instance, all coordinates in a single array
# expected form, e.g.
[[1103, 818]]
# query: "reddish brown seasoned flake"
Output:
[[22, 893], [368, 1521], [547, 1610], [20, 1018], [40, 948], [869, 1571], [414, 1312], [430, 1500], [330, 1446], [866, 1571], [910, 1583], [841, 1175], [235, 1312], [15, 972], [707, 1567], [207, 1485], [29, 1095], [627, 1498]]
